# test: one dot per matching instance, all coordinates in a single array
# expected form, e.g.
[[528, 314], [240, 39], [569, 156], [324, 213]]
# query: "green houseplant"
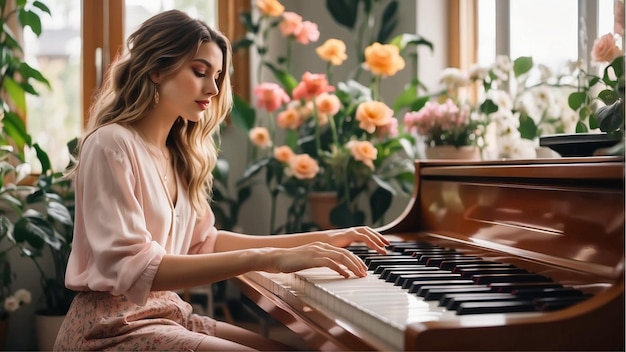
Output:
[[15, 74]]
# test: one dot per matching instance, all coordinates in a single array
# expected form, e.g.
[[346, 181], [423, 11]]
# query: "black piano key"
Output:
[[457, 268], [451, 264], [495, 307], [425, 258], [436, 261], [452, 302], [431, 251], [547, 292], [546, 304], [434, 293], [416, 285], [470, 272], [405, 281], [373, 264], [510, 286], [392, 275], [381, 268], [490, 278]]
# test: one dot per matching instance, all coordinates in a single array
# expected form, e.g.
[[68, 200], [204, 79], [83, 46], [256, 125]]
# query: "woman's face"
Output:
[[188, 92]]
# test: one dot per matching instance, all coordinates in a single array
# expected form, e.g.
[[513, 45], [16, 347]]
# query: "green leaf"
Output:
[[15, 92], [286, 79], [576, 100], [344, 12], [252, 170], [581, 127], [522, 65], [60, 213], [611, 117], [242, 114], [42, 7], [43, 158], [389, 22], [403, 41], [14, 127], [527, 127], [34, 230], [608, 96], [342, 216], [488, 107], [30, 19]]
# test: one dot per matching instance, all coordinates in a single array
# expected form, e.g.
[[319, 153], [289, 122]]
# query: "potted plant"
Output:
[[43, 232]]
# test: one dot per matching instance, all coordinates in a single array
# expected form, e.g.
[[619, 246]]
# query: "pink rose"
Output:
[[308, 33], [270, 96], [372, 114], [328, 103], [605, 49], [284, 154], [260, 137], [289, 119], [291, 23], [312, 85]]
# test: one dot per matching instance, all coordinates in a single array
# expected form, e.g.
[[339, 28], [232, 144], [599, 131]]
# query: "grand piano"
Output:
[[488, 255]]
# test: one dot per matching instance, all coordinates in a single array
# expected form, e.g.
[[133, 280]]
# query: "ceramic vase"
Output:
[[320, 205]]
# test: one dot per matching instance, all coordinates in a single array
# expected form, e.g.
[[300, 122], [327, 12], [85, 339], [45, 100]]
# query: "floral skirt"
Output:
[[101, 321]]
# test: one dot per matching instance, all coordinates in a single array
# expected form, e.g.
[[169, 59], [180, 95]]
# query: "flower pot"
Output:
[[466, 152], [320, 205], [47, 328]]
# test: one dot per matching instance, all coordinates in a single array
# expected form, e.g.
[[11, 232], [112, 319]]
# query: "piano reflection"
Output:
[[488, 255]]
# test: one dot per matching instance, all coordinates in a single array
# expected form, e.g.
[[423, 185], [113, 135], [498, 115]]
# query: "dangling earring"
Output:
[[156, 94]]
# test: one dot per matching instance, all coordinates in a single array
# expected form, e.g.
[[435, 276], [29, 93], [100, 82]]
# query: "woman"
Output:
[[143, 226]]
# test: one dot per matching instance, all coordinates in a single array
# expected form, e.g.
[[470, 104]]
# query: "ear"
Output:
[[155, 77]]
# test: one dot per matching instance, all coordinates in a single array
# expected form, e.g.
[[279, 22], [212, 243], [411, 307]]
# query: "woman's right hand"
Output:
[[316, 254]]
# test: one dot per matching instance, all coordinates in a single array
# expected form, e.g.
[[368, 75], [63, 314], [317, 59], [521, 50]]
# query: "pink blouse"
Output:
[[125, 222]]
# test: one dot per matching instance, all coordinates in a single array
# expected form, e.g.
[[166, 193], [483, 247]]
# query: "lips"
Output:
[[203, 104]]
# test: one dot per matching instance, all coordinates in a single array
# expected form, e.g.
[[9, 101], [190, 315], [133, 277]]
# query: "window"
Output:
[[560, 30]]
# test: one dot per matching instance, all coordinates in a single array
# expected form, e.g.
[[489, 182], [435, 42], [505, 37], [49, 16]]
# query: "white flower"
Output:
[[478, 73], [501, 98], [11, 304], [23, 295], [502, 67], [453, 77]]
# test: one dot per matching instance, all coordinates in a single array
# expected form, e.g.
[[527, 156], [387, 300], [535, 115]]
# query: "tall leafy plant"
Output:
[[15, 74]]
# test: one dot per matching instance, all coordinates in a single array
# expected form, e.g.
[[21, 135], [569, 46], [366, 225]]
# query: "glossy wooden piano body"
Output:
[[562, 218]]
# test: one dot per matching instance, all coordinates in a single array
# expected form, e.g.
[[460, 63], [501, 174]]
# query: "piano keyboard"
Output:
[[420, 282]]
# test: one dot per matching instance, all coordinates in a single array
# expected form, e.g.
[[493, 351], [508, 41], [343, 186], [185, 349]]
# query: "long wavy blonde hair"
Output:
[[164, 43]]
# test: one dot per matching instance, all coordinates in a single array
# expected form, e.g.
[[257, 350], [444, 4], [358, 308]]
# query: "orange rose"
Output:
[[371, 114], [383, 60], [289, 119], [303, 167], [328, 103], [270, 7], [283, 154], [260, 137], [333, 51], [364, 152]]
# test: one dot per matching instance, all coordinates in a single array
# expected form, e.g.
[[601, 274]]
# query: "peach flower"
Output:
[[289, 119], [328, 103], [270, 96], [364, 152], [260, 137], [372, 114], [303, 167], [384, 59], [291, 24], [312, 85], [283, 154], [333, 51], [270, 7], [605, 49], [307, 33]]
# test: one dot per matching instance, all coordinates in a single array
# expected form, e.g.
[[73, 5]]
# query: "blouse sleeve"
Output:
[[124, 257], [204, 234]]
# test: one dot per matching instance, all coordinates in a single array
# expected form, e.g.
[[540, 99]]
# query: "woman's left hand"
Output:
[[364, 234]]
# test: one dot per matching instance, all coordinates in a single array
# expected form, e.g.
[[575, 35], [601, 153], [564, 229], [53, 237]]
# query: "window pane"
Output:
[[545, 30], [486, 32], [138, 11]]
